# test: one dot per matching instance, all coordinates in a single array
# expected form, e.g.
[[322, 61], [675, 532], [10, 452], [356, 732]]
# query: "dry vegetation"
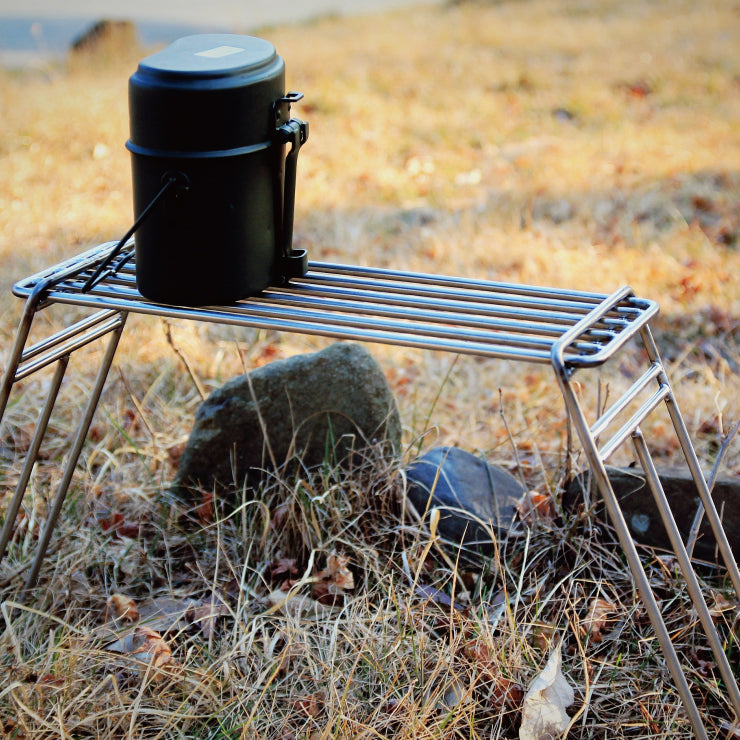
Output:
[[573, 144]]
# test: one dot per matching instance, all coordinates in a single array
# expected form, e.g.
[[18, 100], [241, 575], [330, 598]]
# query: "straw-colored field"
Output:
[[571, 144]]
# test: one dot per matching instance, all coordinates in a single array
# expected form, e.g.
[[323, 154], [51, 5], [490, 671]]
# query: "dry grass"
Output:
[[570, 144]]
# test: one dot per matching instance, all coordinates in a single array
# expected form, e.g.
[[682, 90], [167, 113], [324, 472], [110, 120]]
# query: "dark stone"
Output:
[[314, 408], [470, 494], [104, 36], [642, 515], [564, 115]]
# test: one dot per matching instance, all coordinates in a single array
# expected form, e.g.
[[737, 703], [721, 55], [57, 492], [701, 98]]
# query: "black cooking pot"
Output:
[[210, 121]]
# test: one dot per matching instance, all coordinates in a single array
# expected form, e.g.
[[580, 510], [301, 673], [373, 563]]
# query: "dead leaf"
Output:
[[117, 525], [481, 654], [295, 605], [543, 710], [438, 597], [79, 589], [536, 507], [455, 694], [720, 604], [595, 623], [123, 608], [205, 615], [311, 705], [334, 580], [542, 635], [151, 649], [283, 566], [204, 510], [280, 515]]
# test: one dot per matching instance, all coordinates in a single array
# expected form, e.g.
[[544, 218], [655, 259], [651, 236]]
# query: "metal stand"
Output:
[[568, 330]]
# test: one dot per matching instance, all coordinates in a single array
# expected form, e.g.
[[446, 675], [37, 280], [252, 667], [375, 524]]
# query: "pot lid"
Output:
[[210, 55]]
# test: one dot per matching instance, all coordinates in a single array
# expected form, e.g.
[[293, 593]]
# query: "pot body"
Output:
[[203, 120]]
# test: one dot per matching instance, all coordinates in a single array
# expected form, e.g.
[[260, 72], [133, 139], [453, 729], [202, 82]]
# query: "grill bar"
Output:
[[479, 317]]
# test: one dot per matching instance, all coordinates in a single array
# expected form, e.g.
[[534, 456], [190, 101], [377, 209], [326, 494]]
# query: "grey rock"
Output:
[[474, 497], [313, 408], [642, 515]]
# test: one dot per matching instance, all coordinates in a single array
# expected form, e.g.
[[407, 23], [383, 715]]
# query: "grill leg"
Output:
[[21, 336], [684, 563], [598, 470], [32, 454], [74, 454], [705, 495]]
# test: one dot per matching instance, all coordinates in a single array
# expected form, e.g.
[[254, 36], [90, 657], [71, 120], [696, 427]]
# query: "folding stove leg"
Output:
[[24, 362], [74, 454], [21, 336], [710, 510], [598, 470], [32, 455], [684, 564], [596, 460]]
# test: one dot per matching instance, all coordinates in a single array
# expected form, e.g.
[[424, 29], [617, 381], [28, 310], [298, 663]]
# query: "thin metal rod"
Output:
[[319, 327], [457, 282], [65, 334], [32, 454], [634, 421], [57, 352], [412, 311], [354, 297], [628, 546], [692, 461], [479, 308], [401, 310], [171, 181], [509, 298], [627, 397], [74, 454], [684, 563], [479, 304], [21, 335]]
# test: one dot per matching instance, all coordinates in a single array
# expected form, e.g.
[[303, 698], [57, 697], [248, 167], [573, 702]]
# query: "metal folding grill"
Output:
[[569, 330]]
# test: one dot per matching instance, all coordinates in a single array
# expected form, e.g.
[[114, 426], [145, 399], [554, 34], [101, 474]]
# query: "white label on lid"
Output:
[[218, 51]]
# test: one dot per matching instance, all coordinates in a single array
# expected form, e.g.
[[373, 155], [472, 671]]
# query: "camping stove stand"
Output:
[[569, 330]]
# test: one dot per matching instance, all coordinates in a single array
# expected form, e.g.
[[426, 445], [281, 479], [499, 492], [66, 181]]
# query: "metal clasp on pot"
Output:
[[294, 263]]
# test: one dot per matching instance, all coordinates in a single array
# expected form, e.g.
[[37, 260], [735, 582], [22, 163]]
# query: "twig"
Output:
[[511, 437], [436, 398], [196, 381], [699, 516], [137, 404]]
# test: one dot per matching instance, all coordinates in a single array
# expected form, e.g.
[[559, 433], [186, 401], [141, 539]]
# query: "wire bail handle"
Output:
[[172, 180]]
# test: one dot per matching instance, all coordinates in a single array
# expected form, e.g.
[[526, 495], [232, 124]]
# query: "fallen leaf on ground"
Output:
[[503, 691], [296, 605], [280, 515], [151, 649], [123, 608], [543, 710], [337, 575], [205, 614], [116, 524], [455, 693], [595, 623], [204, 510], [287, 566], [310, 705], [438, 597], [536, 507], [334, 580]]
